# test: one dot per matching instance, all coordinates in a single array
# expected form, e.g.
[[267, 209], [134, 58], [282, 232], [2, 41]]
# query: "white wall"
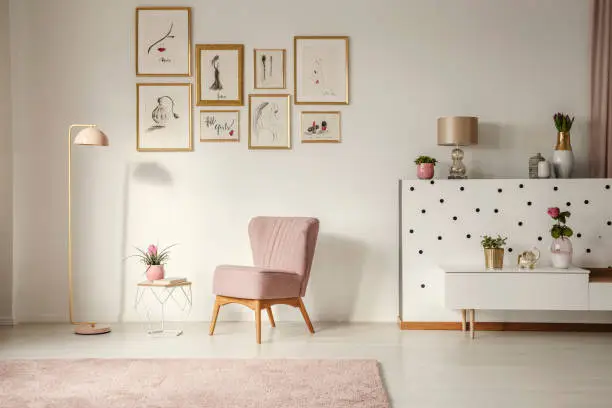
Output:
[[6, 171], [512, 63]]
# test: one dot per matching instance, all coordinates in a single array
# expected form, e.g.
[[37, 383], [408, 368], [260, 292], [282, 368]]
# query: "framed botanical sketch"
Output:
[[163, 117], [269, 69], [321, 70], [320, 127], [163, 41], [220, 74], [220, 126], [269, 121]]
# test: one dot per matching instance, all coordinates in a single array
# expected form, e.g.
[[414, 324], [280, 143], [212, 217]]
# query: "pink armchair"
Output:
[[283, 250]]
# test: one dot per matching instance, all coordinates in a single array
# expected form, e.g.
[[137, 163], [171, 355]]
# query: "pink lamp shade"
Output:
[[91, 136]]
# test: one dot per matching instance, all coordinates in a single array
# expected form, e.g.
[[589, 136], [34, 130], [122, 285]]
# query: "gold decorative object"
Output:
[[563, 141], [529, 259], [494, 258]]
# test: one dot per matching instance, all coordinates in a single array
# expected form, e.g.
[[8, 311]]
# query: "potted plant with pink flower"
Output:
[[561, 248], [155, 260]]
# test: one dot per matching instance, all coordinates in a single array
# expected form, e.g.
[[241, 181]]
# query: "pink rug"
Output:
[[107, 383]]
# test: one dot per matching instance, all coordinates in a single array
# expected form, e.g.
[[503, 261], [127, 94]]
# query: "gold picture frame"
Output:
[[170, 112], [267, 114], [321, 139], [283, 52], [238, 84], [136, 44], [326, 98], [238, 128]]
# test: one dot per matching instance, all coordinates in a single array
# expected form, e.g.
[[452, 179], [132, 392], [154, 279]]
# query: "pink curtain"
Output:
[[601, 90]]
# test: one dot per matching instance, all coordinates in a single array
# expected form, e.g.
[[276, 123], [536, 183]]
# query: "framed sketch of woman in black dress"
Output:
[[220, 74]]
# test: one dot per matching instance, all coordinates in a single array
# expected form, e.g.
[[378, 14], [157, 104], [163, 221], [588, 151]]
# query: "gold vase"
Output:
[[494, 258], [563, 141]]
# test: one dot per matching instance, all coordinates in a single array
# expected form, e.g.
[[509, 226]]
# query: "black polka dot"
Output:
[[609, 222], [432, 182], [509, 249], [496, 211], [579, 235], [586, 201], [411, 188], [420, 252], [468, 236], [441, 201], [454, 218], [412, 231], [539, 238], [499, 190], [588, 251], [461, 188], [568, 204], [422, 286], [521, 185], [477, 210], [423, 211], [556, 188], [520, 223], [529, 203], [439, 238], [607, 186]]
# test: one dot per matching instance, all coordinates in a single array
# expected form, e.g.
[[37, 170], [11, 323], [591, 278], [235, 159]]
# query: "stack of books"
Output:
[[168, 281]]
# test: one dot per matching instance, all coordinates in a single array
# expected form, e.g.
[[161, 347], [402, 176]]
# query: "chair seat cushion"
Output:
[[254, 282]]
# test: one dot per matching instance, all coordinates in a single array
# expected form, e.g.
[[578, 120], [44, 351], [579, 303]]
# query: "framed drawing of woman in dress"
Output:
[[220, 74]]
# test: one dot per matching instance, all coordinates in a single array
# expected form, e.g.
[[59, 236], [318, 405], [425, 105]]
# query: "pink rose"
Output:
[[553, 212], [152, 249]]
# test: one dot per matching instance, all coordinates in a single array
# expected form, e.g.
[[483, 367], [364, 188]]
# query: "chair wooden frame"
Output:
[[257, 305]]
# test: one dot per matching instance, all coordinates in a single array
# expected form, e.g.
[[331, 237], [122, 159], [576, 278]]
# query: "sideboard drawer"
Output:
[[600, 296], [517, 291]]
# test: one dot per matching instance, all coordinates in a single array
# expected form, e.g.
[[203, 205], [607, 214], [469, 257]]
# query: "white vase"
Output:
[[543, 169], [563, 157], [561, 251]]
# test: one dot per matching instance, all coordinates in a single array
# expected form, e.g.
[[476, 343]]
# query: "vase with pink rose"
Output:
[[155, 260], [561, 249]]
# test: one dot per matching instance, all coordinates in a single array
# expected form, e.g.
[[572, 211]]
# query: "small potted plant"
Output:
[[155, 260], [425, 167], [494, 251], [563, 157], [561, 249]]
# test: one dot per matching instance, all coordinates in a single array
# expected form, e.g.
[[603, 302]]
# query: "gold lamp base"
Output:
[[88, 329]]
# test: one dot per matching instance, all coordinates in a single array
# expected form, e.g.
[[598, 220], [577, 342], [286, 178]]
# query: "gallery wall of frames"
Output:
[[165, 119]]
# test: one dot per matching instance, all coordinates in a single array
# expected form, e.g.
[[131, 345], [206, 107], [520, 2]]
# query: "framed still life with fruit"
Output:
[[219, 126], [320, 127], [163, 41], [219, 74], [163, 117], [321, 67]]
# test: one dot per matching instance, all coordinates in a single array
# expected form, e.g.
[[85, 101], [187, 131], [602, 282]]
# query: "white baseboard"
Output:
[[6, 321]]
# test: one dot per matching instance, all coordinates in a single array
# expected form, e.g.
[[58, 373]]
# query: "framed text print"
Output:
[[219, 74], [320, 127], [321, 67], [163, 41], [269, 121], [163, 117], [269, 69], [219, 126]]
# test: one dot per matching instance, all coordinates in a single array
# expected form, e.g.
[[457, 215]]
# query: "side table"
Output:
[[180, 293]]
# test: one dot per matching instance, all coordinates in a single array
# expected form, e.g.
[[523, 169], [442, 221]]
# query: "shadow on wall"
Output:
[[147, 173], [335, 278]]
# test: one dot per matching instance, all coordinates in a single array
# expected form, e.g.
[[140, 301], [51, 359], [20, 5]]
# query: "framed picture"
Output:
[[219, 126], [219, 74], [163, 117], [163, 41], [320, 127], [269, 68], [321, 67], [269, 121]]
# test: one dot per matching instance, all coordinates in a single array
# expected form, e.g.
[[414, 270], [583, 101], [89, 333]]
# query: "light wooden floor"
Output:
[[420, 369]]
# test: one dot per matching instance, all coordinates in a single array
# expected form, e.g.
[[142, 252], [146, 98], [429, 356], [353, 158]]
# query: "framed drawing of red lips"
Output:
[[163, 41]]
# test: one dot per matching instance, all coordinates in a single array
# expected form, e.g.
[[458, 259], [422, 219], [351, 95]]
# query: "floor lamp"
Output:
[[89, 135]]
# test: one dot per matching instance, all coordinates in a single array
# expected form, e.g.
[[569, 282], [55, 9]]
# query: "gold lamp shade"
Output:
[[457, 131]]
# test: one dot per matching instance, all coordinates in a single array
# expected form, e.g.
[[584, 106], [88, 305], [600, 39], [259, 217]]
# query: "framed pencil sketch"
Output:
[[163, 117], [269, 69], [269, 121], [220, 126], [321, 70], [163, 41], [320, 127], [219, 74]]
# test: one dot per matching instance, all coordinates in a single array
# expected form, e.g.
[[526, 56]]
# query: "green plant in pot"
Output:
[[494, 251], [425, 167]]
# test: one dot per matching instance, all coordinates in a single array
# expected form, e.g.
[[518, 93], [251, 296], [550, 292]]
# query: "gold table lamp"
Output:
[[457, 131], [90, 135]]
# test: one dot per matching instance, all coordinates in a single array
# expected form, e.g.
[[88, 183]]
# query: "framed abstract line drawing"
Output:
[[320, 127], [163, 117], [220, 126], [269, 68], [269, 121], [219, 74], [163, 41], [321, 70]]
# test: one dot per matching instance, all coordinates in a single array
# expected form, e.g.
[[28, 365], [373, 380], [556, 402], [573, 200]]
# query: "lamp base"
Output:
[[453, 177], [88, 329]]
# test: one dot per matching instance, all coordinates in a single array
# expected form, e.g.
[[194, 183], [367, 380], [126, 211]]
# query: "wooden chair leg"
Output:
[[258, 321], [213, 322], [305, 315], [270, 316]]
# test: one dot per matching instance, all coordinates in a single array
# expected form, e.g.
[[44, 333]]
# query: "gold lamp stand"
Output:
[[89, 135]]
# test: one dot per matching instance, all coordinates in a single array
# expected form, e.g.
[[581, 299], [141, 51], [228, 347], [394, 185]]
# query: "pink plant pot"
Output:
[[425, 171], [155, 272]]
